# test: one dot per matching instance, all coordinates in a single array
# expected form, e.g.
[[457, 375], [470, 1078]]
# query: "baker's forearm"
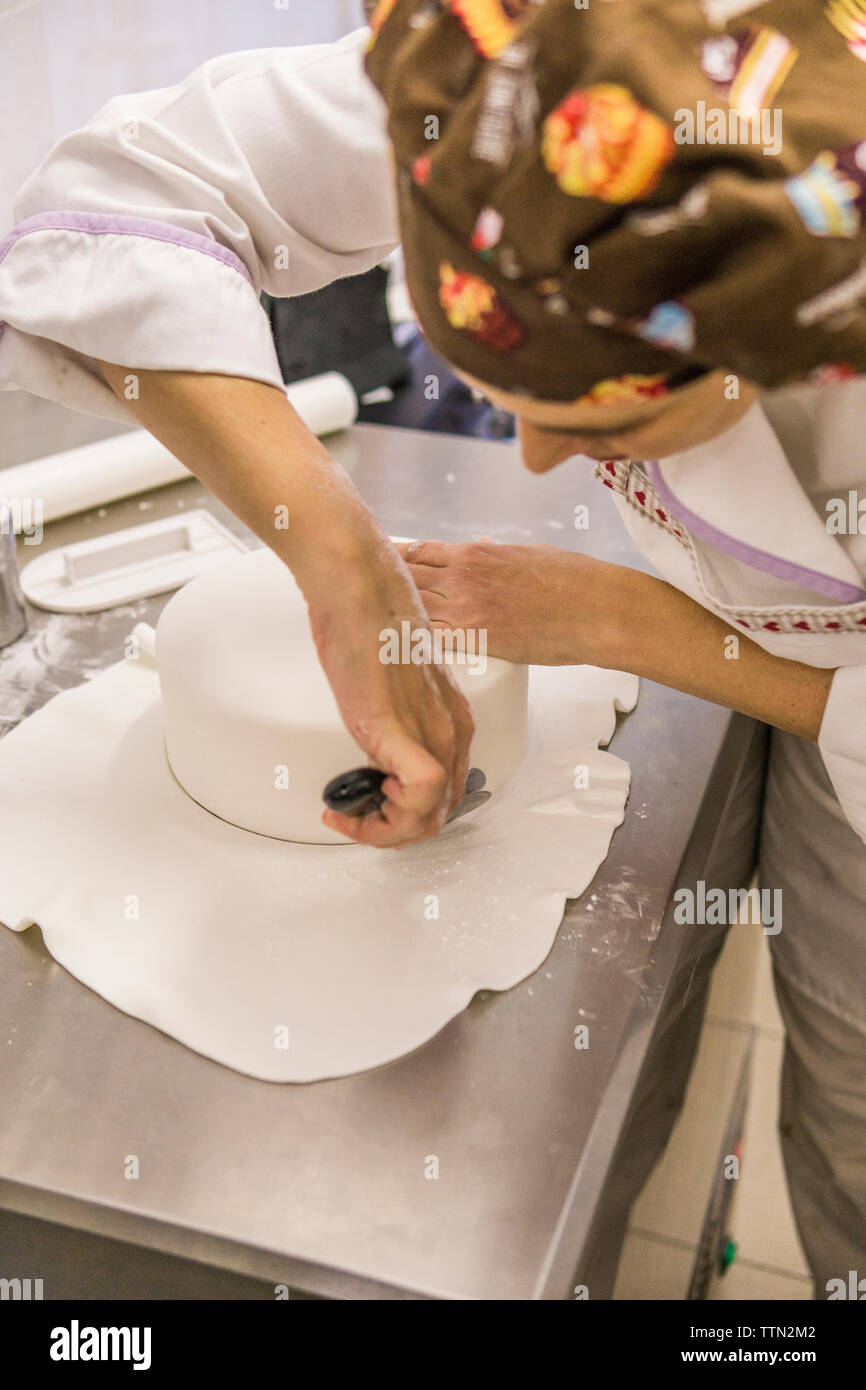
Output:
[[245, 441], [545, 606], [664, 635]]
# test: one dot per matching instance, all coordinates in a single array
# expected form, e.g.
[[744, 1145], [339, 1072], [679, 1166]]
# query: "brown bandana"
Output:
[[604, 202]]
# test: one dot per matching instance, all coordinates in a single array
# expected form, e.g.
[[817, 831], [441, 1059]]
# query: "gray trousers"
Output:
[[785, 821]]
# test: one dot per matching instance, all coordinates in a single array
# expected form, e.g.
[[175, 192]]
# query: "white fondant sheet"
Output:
[[293, 962]]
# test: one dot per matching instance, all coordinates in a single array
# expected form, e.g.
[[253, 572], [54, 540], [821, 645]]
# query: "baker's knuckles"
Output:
[[477, 588]]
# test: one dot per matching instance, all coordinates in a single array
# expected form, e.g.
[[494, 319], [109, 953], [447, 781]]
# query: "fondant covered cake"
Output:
[[252, 729]]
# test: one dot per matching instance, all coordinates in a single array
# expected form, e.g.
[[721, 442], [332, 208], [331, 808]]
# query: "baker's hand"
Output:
[[538, 604], [411, 720]]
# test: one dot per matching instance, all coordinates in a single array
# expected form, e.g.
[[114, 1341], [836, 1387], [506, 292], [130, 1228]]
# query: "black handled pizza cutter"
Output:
[[359, 792]]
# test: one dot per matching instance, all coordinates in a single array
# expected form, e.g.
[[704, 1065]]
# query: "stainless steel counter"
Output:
[[322, 1187]]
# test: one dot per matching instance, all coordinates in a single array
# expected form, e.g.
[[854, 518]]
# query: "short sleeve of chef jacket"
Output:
[[146, 237]]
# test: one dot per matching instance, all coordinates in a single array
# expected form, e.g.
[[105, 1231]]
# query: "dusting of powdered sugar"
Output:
[[57, 652]]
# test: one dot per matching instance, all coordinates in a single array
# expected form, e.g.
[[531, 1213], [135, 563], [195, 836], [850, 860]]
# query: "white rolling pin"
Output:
[[134, 462]]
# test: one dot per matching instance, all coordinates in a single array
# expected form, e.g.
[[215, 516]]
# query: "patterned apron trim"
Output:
[[626, 478]]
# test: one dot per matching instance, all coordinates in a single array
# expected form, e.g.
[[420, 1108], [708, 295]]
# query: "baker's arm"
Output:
[[543, 605], [248, 444], [573, 608], [664, 635], [667, 637]]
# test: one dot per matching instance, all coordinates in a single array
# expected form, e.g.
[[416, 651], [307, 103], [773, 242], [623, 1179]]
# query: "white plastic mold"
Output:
[[126, 565]]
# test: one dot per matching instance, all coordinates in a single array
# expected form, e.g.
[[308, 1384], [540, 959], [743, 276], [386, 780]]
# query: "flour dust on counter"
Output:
[[54, 653]]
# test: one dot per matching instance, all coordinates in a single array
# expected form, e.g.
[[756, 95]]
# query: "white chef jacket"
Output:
[[146, 237]]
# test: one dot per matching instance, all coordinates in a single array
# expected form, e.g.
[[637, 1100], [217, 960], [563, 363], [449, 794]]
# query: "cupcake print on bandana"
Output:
[[849, 17], [670, 325], [474, 307], [615, 390], [486, 232], [749, 66], [831, 373], [490, 24], [830, 195], [601, 143]]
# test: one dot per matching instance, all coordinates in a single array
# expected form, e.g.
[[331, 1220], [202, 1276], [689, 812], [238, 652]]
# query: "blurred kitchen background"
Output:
[[59, 61]]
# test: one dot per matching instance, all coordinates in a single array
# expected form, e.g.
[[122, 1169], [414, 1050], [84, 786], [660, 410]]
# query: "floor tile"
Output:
[[761, 1221], [674, 1200], [732, 990], [766, 1011], [753, 1282], [652, 1269]]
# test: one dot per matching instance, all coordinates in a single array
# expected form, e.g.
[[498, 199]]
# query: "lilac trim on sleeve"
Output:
[[758, 559], [111, 224]]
